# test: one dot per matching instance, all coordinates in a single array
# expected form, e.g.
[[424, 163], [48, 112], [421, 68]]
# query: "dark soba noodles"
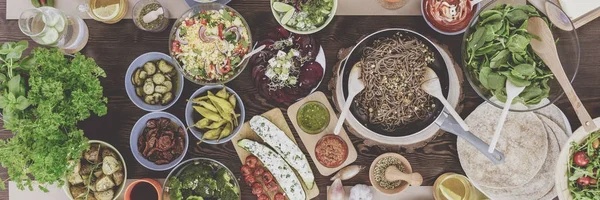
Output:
[[392, 70]]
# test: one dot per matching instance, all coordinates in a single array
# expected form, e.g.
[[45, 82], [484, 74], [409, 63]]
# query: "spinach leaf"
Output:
[[517, 16], [518, 44], [499, 59], [525, 70], [483, 76], [496, 81]]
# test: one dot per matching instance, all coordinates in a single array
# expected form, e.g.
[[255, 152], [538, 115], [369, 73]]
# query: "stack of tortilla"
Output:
[[530, 141]]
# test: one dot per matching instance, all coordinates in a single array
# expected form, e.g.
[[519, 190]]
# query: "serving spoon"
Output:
[[432, 86], [545, 48], [355, 85], [512, 91]]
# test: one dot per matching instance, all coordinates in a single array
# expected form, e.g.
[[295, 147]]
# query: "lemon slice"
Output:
[[282, 7], [449, 194], [108, 12], [288, 15]]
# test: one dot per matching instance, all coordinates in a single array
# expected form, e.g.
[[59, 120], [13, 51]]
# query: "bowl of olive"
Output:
[[152, 82]]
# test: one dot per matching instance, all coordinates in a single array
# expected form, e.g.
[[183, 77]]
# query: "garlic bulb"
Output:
[[336, 191], [361, 192]]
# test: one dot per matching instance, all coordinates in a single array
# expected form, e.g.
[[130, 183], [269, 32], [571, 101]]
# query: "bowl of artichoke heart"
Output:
[[214, 114], [99, 174], [152, 82]]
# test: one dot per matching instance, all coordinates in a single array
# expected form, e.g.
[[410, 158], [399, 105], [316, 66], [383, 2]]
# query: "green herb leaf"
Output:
[[499, 59], [496, 81]]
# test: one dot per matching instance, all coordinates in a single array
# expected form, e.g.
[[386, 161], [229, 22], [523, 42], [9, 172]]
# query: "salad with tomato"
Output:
[[209, 46], [583, 168]]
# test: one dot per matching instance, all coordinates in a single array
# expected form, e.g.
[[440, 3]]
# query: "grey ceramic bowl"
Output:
[[192, 116], [138, 128], [139, 62]]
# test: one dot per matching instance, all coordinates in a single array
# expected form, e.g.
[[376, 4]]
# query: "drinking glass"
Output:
[[51, 27], [106, 11]]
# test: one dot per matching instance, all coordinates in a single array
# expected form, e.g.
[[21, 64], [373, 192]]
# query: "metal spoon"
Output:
[[512, 91], [355, 85], [432, 86], [545, 48]]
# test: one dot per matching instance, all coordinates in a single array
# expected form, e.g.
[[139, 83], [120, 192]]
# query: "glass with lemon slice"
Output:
[[451, 186], [106, 11]]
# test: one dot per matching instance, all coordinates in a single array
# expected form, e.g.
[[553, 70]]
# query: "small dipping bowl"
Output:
[[157, 186], [403, 184], [303, 126]]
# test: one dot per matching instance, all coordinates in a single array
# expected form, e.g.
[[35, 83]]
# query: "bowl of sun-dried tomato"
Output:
[[331, 151]]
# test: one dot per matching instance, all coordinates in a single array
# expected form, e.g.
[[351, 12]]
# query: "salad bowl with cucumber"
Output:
[[304, 16]]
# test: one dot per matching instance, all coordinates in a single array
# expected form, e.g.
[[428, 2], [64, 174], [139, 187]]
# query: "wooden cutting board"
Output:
[[310, 140], [276, 116]]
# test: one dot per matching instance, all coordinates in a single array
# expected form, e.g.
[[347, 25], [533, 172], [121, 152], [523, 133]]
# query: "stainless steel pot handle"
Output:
[[448, 123]]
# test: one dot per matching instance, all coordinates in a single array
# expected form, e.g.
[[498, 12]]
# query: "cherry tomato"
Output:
[[189, 22], [584, 181], [259, 171], [279, 196], [263, 197], [249, 179], [246, 170], [221, 27], [580, 159], [273, 186], [175, 46], [267, 177], [251, 161], [203, 21], [257, 189]]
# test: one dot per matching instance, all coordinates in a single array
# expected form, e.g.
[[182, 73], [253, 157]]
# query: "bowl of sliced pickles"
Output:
[[152, 82], [214, 114]]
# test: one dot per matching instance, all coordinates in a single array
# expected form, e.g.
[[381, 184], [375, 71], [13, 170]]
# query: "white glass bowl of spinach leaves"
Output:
[[496, 49]]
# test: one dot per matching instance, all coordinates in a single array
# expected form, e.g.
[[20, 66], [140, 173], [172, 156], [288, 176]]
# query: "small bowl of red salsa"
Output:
[[448, 17]]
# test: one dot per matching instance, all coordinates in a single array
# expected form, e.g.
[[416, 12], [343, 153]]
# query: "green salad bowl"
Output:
[[279, 15]]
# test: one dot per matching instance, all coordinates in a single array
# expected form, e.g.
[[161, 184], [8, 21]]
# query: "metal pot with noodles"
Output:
[[392, 105]]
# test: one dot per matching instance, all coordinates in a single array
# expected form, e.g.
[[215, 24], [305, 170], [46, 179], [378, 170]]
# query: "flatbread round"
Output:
[[523, 142], [541, 183], [554, 113]]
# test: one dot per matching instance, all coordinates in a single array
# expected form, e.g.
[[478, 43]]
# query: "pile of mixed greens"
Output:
[[583, 166], [201, 180], [498, 50], [43, 96]]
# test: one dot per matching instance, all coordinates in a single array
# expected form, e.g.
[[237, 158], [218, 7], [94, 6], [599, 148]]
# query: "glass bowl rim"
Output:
[[475, 87]]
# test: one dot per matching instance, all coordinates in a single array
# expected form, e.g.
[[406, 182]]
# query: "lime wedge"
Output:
[[60, 26], [288, 15], [282, 7], [449, 194], [108, 12], [50, 37]]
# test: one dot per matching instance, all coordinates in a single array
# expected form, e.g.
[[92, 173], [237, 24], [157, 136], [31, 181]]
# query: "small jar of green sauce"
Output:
[[313, 117]]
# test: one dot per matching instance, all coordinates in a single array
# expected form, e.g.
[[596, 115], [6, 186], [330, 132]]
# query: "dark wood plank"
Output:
[[115, 46]]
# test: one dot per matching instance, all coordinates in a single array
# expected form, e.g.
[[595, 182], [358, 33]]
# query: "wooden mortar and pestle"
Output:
[[392, 173]]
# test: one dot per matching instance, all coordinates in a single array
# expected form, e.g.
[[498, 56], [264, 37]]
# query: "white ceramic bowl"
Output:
[[138, 129], [67, 189], [139, 62], [561, 179]]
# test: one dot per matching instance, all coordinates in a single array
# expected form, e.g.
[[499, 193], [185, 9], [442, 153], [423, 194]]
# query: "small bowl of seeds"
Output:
[[150, 15], [391, 173]]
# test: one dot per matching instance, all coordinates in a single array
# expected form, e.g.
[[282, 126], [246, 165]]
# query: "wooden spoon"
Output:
[[432, 86], [392, 173], [545, 48], [355, 85]]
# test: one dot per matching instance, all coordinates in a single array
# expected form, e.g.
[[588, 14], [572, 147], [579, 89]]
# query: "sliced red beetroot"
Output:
[[267, 43], [310, 75], [258, 70]]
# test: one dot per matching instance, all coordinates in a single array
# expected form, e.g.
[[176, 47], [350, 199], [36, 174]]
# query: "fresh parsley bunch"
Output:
[[498, 50], [43, 97]]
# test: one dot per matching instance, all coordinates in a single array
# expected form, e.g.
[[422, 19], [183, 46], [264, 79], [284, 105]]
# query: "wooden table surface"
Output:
[[115, 46]]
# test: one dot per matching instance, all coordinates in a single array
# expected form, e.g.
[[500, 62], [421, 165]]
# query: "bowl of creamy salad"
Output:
[[304, 16], [209, 42]]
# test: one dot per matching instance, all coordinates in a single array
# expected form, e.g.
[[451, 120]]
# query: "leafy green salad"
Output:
[[583, 166], [499, 50], [303, 15], [202, 180]]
